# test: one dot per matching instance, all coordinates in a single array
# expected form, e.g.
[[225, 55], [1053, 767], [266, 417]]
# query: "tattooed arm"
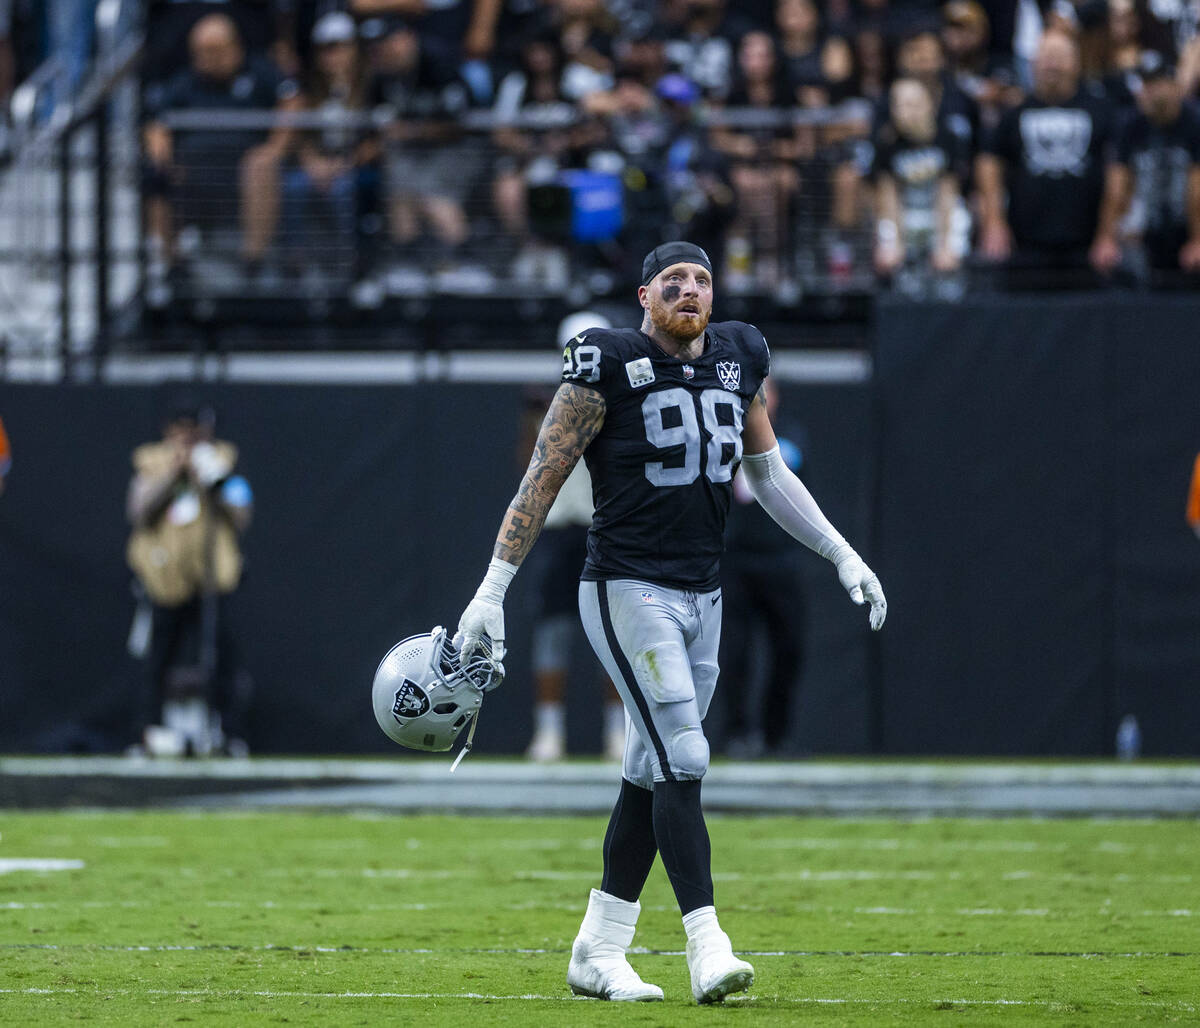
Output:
[[757, 434], [575, 416]]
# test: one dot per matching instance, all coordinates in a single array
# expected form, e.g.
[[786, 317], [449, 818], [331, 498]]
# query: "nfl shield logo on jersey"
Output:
[[730, 374], [689, 372]]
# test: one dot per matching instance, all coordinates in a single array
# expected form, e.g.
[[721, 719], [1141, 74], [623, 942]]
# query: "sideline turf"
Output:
[[306, 919]]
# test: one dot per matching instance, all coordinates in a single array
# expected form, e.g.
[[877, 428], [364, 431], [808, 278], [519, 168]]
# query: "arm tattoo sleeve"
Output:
[[575, 416]]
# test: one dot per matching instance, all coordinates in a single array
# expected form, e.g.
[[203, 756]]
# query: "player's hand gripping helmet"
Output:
[[423, 697]]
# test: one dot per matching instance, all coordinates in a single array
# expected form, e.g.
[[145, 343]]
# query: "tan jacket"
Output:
[[168, 555]]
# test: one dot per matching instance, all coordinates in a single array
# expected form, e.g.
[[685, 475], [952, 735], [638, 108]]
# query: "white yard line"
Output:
[[801, 874], [559, 997], [536, 905], [545, 951], [10, 864]]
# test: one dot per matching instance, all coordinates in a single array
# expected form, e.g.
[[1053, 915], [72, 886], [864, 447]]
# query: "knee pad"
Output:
[[687, 751]]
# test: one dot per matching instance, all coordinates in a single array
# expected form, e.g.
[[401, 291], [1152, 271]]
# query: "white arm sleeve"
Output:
[[783, 496]]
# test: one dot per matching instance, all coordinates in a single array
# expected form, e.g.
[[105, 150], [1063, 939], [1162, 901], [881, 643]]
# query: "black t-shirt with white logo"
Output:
[[918, 167], [663, 462], [1161, 158], [1055, 169]]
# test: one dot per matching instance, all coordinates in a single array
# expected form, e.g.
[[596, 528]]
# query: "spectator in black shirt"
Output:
[[819, 69], [336, 174], [761, 151], [696, 184], [587, 36], [1121, 52], [1157, 172], [533, 88], [917, 171], [202, 169], [987, 78], [921, 56], [873, 59], [262, 25], [799, 25], [643, 56], [1169, 27], [450, 30], [1046, 158], [702, 36], [431, 164]]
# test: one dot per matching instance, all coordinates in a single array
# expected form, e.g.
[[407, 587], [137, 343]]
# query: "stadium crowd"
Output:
[[1024, 143]]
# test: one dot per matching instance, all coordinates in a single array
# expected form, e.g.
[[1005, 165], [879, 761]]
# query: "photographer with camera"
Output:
[[188, 509]]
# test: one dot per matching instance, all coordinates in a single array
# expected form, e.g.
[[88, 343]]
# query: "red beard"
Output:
[[678, 326]]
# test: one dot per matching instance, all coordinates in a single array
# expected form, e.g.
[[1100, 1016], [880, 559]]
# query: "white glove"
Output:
[[485, 613], [861, 583]]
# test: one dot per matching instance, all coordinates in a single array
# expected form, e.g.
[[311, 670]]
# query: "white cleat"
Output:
[[715, 971], [598, 966], [600, 969]]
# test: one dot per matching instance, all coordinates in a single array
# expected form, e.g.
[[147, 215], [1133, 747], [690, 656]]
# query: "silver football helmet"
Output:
[[423, 697]]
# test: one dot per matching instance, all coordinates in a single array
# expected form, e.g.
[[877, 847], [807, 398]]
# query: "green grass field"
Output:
[[306, 919]]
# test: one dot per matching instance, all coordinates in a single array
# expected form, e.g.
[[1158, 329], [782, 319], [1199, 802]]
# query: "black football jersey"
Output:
[[662, 464]]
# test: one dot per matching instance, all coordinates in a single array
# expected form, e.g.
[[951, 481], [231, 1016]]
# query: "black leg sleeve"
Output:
[[629, 845], [683, 842]]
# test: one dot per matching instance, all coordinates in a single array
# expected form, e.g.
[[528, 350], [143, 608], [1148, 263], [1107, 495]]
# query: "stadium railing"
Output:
[[69, 207]]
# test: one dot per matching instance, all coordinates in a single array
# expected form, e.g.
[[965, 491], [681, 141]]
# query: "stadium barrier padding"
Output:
[[1034, 457], [376, 510], [1019, 481]]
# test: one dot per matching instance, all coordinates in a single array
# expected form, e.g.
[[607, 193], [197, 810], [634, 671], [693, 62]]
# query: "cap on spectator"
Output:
[[968, 13], [334, 27], [1153, 65], [677, 89]]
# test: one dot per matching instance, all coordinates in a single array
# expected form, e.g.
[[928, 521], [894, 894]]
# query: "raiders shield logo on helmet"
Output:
[[730, 374], [411, 701]]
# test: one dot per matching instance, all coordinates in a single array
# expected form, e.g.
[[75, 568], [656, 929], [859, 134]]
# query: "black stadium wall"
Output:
[[1034, 462], [375, 513], [1017, 473]]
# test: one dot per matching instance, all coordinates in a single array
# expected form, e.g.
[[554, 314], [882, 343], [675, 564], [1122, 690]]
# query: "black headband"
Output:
[[673, 253]]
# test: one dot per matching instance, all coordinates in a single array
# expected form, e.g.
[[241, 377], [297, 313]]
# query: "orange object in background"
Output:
[[5, 455], [1193, 507]]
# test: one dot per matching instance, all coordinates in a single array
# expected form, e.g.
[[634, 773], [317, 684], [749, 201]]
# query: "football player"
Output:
[[663, 416]]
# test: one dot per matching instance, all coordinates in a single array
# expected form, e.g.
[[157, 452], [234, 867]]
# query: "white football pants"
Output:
[[659, 646]]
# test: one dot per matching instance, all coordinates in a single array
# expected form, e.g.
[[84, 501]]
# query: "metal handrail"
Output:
[[536, 117]]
